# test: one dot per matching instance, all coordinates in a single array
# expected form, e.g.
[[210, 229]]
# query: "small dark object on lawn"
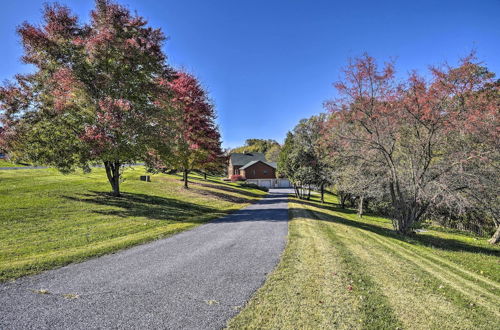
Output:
[[146, 178]]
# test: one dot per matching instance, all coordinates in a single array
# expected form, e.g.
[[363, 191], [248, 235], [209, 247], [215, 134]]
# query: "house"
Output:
[[254, 167]]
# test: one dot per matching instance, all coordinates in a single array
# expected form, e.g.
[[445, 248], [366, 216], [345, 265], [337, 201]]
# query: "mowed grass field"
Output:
[[342, 272], [48, 219], [6, 163]]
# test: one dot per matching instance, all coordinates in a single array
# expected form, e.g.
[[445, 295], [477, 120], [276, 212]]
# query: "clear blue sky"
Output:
[[269, 63]]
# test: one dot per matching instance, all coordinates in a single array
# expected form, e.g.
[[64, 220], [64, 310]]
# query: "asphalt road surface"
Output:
[[197, 279]]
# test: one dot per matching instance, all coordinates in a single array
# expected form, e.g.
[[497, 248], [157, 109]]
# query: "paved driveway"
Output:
[[197, 279]]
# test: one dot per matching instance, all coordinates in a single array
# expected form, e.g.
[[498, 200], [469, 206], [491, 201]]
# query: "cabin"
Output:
[[254, 168]]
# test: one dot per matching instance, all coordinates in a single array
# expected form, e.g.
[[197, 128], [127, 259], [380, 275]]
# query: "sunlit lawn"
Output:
[[6, 163], [340, 271], [48, 219]]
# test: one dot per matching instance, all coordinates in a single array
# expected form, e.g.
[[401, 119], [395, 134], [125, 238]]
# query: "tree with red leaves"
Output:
[[434, 141], [93, 96], [197, 143]]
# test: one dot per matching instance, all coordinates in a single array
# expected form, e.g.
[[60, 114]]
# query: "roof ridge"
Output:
[[256, 161]]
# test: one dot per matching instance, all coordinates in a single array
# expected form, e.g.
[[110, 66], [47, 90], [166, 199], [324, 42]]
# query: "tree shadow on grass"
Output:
[[215, 180], [417, 239], [168, 209], [141, 205], [228, 188], [222, 196], [220, 185]]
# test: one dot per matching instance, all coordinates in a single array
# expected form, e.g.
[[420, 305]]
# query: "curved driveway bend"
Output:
[[197, 279]]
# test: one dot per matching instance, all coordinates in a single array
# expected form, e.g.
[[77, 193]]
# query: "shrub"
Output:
[[237, 177]]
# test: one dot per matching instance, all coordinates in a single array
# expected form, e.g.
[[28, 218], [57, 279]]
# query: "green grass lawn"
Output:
[[340, 271], [48, 219], [6, 163]]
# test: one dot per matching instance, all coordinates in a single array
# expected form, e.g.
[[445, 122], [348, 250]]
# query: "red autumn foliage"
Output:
[[431, 142], [197, 142], [93, 92]]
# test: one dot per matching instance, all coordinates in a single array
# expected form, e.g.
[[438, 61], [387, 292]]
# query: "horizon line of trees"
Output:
[[415, 150], [102, 92], [271, 148]]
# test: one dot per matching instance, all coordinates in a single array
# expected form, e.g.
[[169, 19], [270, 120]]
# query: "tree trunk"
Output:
[[309, 193], [343, 198], [360, 206], [407, 216], [113, 174], [404, 225], [322, 193], [185, 178], [205, 175], [496, 237], [408, 211]]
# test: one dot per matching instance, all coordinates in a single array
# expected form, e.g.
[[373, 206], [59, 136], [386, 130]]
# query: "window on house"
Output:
[[265, 171], [253, 171]]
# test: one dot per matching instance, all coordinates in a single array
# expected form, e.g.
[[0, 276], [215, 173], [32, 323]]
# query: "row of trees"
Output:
[[102, 92], [428, 148]]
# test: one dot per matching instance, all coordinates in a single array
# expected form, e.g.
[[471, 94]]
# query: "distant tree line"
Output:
[[270, 148], [414, 150], [102, 92]]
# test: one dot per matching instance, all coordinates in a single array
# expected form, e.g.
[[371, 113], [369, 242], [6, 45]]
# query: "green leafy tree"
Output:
[[256, 145], [273, 153], [288, 162], [302, 159], [93, 95]]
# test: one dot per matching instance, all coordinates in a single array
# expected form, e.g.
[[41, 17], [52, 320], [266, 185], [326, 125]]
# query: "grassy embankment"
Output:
[[340, 271], [48, 219], [6, 163]]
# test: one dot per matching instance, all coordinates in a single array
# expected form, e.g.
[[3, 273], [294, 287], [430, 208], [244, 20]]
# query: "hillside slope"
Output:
[[340, 271], [48, 219]]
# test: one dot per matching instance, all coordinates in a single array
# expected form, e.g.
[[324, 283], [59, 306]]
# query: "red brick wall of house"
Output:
[[259, 171]]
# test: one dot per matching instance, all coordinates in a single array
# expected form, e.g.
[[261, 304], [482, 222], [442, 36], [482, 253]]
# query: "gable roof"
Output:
[[273, 165], [240, 159]]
